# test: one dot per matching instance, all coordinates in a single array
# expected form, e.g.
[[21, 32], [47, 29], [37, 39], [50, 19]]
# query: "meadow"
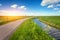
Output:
[[53, 21], [6, 19], [29, 30]]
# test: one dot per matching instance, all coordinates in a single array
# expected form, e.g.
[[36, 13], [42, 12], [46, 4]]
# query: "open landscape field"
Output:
[[6, 19], [29, 30], [29, 19], [53, 21]]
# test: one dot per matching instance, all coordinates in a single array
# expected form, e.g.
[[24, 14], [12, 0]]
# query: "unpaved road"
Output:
[[7, 29]]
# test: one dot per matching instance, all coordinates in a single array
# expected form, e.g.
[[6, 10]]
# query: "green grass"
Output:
[[53, 21], [6, 19], [2, 21], [29, 30]]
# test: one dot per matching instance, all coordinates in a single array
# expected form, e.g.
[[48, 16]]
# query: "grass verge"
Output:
[[29, 30], [7, 19], [53, 21]]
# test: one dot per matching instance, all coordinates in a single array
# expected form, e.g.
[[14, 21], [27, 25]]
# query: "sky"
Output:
[[29, 7]]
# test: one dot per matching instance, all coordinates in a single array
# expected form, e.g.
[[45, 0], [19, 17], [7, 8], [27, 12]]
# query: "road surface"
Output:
[[7, 29]]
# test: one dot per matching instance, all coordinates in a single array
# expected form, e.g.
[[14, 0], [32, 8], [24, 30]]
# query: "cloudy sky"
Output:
[[29, 7]]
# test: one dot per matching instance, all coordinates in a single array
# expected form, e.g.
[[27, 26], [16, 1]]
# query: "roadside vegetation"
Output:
[[29, 30], [6, 19], [53, 21]]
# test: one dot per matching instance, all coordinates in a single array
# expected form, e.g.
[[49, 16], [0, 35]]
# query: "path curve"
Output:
[[7, 29]]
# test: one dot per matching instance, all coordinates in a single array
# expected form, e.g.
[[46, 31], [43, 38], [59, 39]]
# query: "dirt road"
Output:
[[7, 29]]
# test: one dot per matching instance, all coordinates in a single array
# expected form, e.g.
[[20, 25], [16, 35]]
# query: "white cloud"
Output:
[[50, 6], [18, 7], [56, 9], [58, 5], [59, 11], [22, 7], [0, 4], [46, 2], [14, 6], [54, 4]]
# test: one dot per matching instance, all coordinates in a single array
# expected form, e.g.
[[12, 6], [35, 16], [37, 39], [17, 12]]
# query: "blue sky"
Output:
[[30, 7]]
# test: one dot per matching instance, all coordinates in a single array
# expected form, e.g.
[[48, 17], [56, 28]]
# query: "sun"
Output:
[[12, 13]]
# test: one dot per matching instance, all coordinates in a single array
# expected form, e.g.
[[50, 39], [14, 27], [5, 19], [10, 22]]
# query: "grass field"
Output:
[[53, 21], [29, 30], [6, 19]]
